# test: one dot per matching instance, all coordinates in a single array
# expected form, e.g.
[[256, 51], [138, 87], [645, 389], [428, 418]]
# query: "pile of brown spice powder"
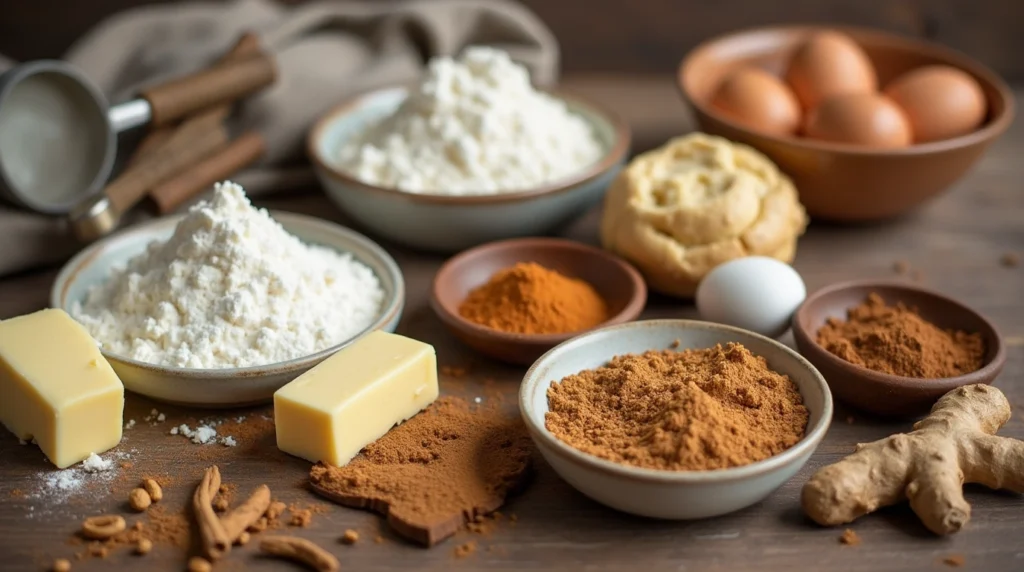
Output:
[[897, 341], [672, 410], [528, 298], [435, 472]]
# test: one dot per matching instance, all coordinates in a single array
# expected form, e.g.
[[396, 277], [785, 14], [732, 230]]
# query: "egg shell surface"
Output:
[[868, 119], [828, 64], [759, 100], [939, 101], [755, 293]]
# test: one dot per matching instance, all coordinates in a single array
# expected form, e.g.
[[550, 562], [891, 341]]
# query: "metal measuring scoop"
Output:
[[58, 139]]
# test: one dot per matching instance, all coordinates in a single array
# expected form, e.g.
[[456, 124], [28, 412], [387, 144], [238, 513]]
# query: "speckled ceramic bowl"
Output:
[[677, 495], [223, 387], [448, 223]]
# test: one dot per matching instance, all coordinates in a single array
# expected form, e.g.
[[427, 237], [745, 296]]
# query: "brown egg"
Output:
[[869, 119], [828, 64], [939, 101], [759, 100]]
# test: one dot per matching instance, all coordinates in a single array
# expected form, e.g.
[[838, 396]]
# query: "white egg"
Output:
[[755, 293]]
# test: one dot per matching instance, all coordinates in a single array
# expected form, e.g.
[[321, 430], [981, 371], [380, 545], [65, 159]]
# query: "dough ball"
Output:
[[680, 210]]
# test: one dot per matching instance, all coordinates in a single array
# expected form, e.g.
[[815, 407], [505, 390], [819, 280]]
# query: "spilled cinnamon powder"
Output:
[[695, 410], [435, 472]]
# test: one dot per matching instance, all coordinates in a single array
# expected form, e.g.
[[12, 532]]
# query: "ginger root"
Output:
[[954, 444]]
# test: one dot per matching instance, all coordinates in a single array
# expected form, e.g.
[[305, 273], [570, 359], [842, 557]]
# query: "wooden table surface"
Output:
[[953, 244]]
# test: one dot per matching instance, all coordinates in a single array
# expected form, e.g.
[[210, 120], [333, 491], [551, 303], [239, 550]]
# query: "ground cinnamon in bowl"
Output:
[[689, 410], [530, 299], [897, 341]]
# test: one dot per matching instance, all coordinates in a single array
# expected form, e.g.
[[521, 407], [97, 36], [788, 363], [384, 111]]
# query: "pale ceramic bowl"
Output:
[[448, 223], [232, 387], [677, 495]]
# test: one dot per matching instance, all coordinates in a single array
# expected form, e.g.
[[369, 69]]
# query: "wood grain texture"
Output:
[[627, 35], [954, 243]]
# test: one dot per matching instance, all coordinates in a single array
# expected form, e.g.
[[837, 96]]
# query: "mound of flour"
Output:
[[230, 288], [474, 126]]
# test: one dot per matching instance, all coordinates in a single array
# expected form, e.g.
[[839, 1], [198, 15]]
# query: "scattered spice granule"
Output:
[[464, 550], [18, 494], [955, 560], [1009, 260], [126, 465], [849, 538], [350, 537], [378, 539], [300, 518], [513, 517], [900, 267], [454, 370]]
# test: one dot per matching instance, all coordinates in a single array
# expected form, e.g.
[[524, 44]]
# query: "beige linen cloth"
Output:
[[325, 51]]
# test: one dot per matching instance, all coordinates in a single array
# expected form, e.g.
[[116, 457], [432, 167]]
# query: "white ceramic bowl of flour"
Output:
[[450, 223], [229, 386]]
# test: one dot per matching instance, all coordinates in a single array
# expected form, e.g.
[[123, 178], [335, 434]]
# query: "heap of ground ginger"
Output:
[[693, 410], [897, 341]]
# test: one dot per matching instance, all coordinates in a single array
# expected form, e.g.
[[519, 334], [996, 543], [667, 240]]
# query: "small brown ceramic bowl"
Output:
[[880, 393], [615, 280], [844, 182]]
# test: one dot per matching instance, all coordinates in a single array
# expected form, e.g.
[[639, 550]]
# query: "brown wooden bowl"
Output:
[[615, 280], [837, 181], [880, 393]]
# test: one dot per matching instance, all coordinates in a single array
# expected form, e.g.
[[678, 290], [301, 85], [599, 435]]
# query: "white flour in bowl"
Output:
[[474, 126], [230, 288]]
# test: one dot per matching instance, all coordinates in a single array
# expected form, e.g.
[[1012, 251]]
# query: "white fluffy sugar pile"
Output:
[[474, 126], [230, 288]]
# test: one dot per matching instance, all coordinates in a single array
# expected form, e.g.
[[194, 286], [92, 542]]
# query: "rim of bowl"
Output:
[[990, 369], [392, 307], [806, 445], [636, 304], [988, 131], [615, 154]]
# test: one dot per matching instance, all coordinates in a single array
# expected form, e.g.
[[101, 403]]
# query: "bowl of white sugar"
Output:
[[225, 304], [472, 154]]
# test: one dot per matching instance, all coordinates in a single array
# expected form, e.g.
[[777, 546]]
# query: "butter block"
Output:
[[56, 387], [354, 397]]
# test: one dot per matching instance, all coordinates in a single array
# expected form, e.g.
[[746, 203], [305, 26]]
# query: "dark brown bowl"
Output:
[[837, 181], [615, 280], [879, 393]]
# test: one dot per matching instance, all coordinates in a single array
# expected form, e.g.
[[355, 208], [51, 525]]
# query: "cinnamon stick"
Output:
[[247, 513], [300, 550], [248, 44], [215, 540]]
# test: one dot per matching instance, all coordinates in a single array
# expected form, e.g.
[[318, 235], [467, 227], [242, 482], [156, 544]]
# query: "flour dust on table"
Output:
[[230, 288]]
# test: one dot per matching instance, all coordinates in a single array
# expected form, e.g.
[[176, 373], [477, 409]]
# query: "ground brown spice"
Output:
[[435, 472], [465, 549], [897, 341], [530, 299], [849, 538], [158, 526], [679, 410], [954, 560]]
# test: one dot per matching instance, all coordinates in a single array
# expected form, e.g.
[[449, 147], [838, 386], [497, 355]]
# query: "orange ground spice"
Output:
[[530, 299]]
